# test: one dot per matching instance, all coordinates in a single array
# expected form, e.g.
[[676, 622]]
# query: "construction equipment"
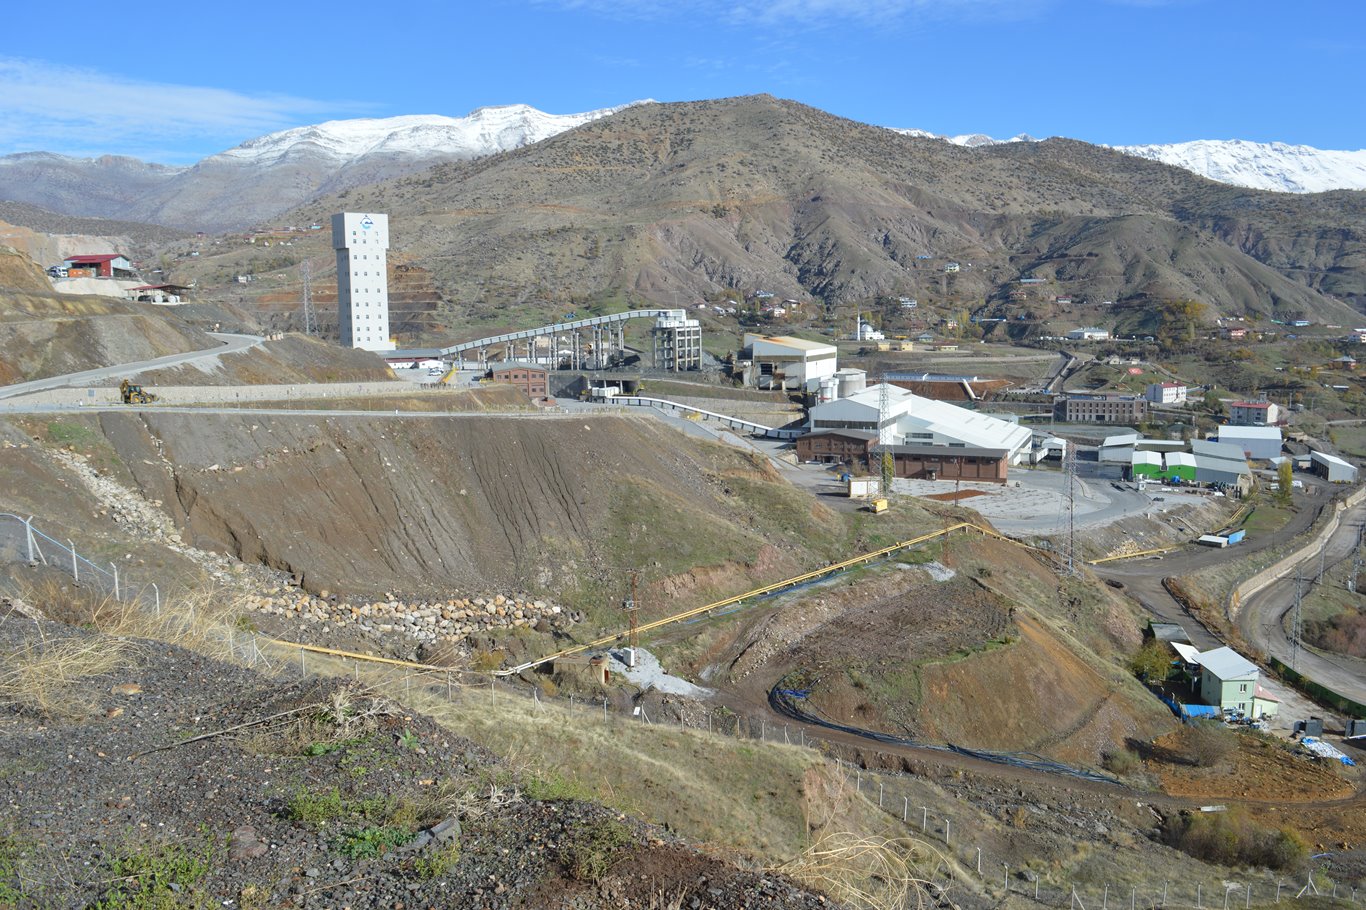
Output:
[[134, 394]]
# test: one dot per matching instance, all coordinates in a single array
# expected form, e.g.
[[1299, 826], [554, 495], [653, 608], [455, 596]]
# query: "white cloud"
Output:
[[49, 107]]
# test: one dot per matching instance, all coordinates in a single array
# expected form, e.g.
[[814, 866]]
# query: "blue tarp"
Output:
[[1189, 711]]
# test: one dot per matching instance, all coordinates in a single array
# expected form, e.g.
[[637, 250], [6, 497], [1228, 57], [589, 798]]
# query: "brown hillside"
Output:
[[20, 273], [756, 192]]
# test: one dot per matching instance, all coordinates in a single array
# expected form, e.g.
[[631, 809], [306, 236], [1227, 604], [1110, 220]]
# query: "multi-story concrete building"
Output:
[[1166, 393], [361, 242], [1253, 414], [1100, 409]]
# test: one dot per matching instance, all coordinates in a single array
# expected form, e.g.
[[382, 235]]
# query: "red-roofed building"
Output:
[[103, 265], [1253, 414]]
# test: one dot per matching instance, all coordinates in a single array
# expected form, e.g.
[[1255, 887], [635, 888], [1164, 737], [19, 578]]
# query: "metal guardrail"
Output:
[[663, 404]]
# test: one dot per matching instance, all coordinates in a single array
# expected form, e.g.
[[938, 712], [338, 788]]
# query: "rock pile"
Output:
[[425, 621]]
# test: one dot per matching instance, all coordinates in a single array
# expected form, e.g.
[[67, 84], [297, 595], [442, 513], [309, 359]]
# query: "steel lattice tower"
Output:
[[310, 317], [1069, 541]]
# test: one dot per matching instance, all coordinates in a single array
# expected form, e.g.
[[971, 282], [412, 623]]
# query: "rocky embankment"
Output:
[[452, 620]]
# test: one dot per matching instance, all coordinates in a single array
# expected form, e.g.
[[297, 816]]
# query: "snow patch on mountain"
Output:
[[969, 140], [1262, 165], [484, 131]]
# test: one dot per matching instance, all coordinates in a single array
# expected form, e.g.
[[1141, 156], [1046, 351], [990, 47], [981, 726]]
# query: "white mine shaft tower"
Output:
[[362, 242]]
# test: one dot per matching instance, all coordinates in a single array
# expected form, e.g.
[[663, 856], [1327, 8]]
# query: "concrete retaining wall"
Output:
[[1287, 564]]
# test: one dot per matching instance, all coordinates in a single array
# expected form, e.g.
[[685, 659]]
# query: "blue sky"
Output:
[[173, 82]]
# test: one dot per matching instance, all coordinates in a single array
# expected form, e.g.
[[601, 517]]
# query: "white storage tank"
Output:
[[851, 381], [829, 389]]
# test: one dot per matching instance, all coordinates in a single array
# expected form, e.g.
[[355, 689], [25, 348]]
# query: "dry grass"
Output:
[[685, 779], [875, 873], [45, 674], [200, 620]]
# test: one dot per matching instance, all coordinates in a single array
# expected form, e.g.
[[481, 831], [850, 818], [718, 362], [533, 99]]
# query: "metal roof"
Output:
[[94, 258], [1331, 459], [1227, 664], [1250, 432]]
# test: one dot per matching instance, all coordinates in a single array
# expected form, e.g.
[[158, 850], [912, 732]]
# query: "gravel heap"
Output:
[[178, 780]]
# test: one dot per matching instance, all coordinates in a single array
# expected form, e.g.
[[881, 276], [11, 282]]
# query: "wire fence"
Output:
[[23, 543]]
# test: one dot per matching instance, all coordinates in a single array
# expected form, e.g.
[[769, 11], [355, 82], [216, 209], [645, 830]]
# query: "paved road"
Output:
[[230, 344], [1264, 617]]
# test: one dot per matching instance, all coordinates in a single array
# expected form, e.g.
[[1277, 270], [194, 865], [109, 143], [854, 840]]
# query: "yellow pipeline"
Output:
[[758, 592]]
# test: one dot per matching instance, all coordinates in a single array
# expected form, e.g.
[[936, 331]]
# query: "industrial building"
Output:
[[361, 242], [1259, 443], [1220, 463], [1332, 468], [100, 265], [677, 342], [1100, 408], [1253, 414], [529, 377], [1174, 461], [1089, 333], [927, 438], [942, 387], [787, 363]]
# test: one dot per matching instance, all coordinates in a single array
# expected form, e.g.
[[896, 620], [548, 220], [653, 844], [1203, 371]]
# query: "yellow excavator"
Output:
[[134, 394]]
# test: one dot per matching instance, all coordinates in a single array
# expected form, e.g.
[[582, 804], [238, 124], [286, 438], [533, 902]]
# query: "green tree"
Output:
[[1284, 482], [1152, 663]]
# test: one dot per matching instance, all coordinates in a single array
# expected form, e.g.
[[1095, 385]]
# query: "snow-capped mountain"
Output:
[[483, 132], [261, 178], [1272, 166], [1262, 165]]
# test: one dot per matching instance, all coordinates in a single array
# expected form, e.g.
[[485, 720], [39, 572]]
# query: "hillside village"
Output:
[[968, 577]]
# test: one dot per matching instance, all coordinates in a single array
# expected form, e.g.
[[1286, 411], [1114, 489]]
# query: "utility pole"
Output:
[[1069, 542], [632, 614], [310, 318], [1295, 624], [1356, 561], [886, 460]]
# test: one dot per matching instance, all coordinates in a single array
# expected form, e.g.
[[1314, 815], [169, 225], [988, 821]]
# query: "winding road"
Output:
[[230, 344]]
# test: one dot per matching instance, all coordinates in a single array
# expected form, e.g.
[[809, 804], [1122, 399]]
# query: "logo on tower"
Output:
[[366, 223]]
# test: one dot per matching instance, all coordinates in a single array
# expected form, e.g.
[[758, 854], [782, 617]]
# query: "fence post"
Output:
[[157, 592], [28, 537], [905, 808], [75, 563], [116, 581]]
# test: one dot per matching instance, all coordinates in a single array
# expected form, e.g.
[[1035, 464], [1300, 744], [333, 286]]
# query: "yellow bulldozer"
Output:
[[134, 394]]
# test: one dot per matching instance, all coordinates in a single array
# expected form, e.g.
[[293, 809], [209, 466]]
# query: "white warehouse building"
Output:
[[361, 242], [922, 423], [1259, 443]]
